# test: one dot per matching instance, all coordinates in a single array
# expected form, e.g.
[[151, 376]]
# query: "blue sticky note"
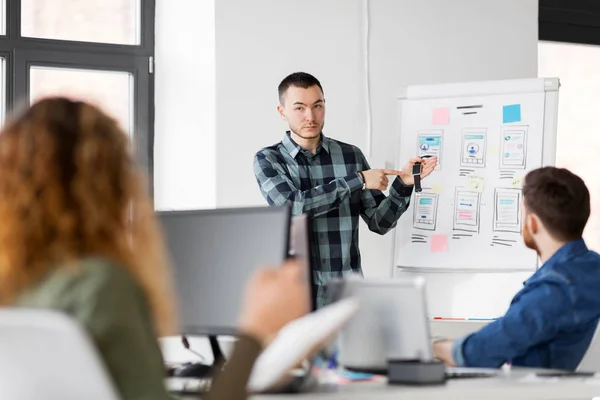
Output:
[[511, 113]]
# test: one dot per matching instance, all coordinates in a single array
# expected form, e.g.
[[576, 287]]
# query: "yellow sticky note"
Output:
[[475, 183], [494, 149], [518, 182], [437, 188]]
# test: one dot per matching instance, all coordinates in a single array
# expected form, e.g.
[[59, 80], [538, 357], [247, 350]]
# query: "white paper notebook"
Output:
[[297, 340]]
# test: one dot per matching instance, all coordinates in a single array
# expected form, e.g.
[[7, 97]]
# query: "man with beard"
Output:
[[330, 181], [551, 321]]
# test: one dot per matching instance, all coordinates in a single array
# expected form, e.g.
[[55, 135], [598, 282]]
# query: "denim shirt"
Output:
[[550, 322]]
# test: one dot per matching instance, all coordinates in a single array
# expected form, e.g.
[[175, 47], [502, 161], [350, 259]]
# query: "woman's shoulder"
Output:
[[87, 277], [103, 271]]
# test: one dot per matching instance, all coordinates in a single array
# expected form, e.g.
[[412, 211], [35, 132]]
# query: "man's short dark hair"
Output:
[[297, 79], [560, 199]]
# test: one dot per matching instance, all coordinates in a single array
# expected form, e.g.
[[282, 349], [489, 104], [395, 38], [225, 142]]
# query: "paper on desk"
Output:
[[340, 377], [533, 378], [593, 380], [296, 341]]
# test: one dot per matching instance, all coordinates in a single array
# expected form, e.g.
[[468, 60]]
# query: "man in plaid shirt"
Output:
[[330, 181]]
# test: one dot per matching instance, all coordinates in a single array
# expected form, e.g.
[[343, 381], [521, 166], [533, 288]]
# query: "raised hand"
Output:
[[427, 167], [274, 297]]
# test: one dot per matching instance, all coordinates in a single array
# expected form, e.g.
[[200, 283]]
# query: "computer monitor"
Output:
[[214, 253], [300, 248]]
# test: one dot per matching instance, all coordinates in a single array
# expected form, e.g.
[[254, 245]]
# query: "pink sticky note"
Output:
[[441, 116], [438, 243]]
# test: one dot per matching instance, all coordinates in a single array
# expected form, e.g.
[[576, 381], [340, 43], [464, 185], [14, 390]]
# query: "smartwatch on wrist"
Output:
[[416, 173], [362, 178]]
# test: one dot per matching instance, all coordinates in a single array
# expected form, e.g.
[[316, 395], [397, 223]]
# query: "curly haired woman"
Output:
[[79, 235]]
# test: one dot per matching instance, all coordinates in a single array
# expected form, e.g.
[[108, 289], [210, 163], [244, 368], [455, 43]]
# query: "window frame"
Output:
[[21, 53], [592, 230]]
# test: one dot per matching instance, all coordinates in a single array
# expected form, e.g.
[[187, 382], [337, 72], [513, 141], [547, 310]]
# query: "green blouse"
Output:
[[112, 308]]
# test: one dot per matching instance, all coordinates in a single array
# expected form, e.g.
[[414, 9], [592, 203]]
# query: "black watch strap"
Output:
[[417, 179]]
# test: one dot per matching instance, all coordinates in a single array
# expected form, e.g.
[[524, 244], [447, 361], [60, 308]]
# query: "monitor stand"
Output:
[[218, 356], [199, 369]]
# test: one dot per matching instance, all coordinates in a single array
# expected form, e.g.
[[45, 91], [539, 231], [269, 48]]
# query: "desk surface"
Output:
[[513, 384]]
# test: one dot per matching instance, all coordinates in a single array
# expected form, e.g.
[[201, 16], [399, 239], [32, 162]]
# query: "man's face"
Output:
[[528, 229], [304, 110]]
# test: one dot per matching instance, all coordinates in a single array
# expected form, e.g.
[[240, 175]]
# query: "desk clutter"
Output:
[[379, 328]]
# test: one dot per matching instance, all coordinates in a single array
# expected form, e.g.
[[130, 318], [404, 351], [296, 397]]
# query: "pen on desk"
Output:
[[482, 319], [448, 319]]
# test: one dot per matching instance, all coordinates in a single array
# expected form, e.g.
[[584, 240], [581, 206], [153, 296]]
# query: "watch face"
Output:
[[416, 169]]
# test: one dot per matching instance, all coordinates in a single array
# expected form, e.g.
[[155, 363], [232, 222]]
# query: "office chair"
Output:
[[591, 359], [45, 354]]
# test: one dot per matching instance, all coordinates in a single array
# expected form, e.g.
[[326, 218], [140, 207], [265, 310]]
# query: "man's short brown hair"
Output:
[[560, 199]]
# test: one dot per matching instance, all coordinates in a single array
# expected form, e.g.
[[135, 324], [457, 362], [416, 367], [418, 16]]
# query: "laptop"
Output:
[[391, 323]]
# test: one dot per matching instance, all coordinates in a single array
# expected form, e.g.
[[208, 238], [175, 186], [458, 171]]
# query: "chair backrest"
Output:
[[591, 359], [46, 354]]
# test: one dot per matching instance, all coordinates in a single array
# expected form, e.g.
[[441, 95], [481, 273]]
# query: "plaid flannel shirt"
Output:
[[328, 188]]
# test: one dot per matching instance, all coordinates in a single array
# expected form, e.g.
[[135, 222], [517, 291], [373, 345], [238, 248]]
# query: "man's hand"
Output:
[[377, 178], [427, 167], [273, 298], [442, 350]]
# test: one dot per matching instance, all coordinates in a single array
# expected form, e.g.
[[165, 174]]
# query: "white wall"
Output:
[[259, 42], [184, 144], [185, 119]]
